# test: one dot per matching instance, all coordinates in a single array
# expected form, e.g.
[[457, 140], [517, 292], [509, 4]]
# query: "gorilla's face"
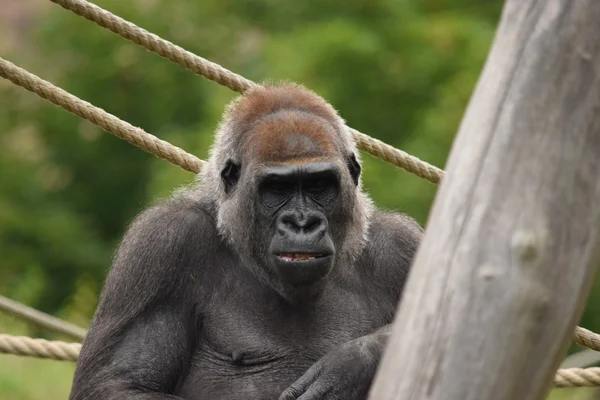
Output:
[[299, 217], [291, 206], [296, 203]]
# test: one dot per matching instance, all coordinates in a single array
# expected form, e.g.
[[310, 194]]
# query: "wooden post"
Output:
[[500, 279]]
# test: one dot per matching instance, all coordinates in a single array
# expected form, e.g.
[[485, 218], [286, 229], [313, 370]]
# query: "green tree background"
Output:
[[401, 71]]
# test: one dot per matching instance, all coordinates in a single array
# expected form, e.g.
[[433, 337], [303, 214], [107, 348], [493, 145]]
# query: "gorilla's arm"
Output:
[[144, 330], [348, 371]]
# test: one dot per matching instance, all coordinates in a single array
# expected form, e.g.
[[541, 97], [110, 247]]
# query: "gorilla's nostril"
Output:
[[288, 222], [291, 226], [313, 225]]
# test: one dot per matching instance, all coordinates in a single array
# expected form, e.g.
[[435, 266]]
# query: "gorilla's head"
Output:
[[286, 184]]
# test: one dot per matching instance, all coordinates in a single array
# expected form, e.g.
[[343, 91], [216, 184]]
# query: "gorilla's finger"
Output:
[[315, 392], [291, 393], [301, 385]]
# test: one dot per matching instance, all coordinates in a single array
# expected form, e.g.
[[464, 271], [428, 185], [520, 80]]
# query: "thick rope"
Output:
[[582, 336], [397, 157], [233, 81], [40, 348], [40, 319], [577, 377], [56, 350], [156, 44], [587, 338], [97, 116]]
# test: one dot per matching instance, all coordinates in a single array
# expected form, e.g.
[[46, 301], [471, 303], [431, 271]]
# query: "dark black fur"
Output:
[[183, 316]]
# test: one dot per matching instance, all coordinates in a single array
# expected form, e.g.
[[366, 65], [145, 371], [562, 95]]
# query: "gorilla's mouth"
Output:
[[303, 268], [291, 257]]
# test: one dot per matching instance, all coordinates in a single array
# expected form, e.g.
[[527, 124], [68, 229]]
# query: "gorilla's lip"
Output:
[[300, 256]]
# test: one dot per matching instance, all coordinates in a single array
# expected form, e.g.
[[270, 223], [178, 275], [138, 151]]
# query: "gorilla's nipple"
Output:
[[237, 356]]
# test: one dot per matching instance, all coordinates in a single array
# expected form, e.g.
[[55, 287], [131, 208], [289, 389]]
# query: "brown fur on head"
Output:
[[265, 100], [274, 125], [287, 136]]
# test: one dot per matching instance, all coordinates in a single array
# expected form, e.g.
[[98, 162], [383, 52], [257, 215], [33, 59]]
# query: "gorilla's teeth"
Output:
[[297, 256]]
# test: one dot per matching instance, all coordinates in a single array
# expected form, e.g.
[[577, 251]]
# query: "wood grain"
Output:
[[513, 238]]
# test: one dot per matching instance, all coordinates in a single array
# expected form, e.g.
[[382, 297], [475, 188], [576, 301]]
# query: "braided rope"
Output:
[[397, 157], [28, 346], [62, 351], [158, 45], [233, 81], [582, 336], [587, 338], [40, 348], [97, 116], [577, 377]]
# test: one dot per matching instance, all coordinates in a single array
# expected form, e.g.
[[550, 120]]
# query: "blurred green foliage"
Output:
[[402, 71]]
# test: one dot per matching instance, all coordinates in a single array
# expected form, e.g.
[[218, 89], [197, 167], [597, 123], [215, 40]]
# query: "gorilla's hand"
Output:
[[345, 373]]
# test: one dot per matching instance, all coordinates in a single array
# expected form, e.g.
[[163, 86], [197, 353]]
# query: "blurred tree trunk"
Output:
[[508, 257]]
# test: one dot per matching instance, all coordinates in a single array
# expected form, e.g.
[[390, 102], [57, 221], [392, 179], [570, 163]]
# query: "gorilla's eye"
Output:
[[230, 175], [278, 186], [319, 185]]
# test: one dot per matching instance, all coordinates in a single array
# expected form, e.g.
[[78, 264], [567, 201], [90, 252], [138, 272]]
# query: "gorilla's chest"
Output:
[[254, 350]]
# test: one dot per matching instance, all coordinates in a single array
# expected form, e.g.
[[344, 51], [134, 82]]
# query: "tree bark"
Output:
[[508, 257]]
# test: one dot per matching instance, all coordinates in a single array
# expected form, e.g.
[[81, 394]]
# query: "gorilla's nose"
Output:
[[304, 226]]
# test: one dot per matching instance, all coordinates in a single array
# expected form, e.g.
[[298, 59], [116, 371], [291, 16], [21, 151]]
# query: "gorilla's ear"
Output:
[[230, 175], [353, 167]]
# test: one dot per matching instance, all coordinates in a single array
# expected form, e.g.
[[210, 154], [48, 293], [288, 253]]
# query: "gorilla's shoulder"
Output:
[[394, 229], [166, 247], [393, 240], [176, 224]]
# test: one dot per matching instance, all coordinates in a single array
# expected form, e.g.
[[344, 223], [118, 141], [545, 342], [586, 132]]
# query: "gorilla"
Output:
[[271, 277]]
